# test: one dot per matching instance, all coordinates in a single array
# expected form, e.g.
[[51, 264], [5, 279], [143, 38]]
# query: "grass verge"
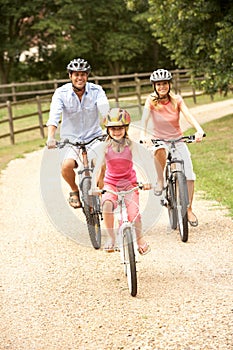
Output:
[[213, 162]]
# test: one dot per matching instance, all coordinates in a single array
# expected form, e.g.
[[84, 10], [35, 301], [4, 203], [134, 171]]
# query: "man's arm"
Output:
[[51, 142]]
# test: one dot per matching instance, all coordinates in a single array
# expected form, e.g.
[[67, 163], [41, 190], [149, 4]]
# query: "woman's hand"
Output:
[[199, 136]]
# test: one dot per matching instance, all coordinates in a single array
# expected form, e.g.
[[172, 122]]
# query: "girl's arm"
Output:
[[99, 163]]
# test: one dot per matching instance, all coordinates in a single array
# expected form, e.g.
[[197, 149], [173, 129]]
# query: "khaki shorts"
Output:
[[183, 153]]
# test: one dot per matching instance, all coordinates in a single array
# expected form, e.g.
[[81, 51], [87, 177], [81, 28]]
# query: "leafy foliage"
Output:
[[198, 36]]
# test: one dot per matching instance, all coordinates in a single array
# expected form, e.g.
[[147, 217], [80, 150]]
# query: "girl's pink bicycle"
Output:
[[126, 238]]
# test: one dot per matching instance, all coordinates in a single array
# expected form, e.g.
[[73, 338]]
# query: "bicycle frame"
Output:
[[176, 197], [126, 239], [90, 204]]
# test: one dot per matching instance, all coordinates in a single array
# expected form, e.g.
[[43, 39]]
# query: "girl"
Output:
[[117, 154], [164, 108]]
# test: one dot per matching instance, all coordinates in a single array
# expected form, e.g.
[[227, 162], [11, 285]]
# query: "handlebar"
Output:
[[187, 139], [61, 144], [140, 186]]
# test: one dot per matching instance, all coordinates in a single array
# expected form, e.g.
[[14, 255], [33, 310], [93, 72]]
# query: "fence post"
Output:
[[13, 91], [40, 117], [194, 95], [55, 84], [115, 92], [138, 92], [176, 81], [11, 125]]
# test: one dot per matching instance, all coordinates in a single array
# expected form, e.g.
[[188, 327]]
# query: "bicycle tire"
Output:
[[182, 205], [171, 203], [92, 214], [129, 261]]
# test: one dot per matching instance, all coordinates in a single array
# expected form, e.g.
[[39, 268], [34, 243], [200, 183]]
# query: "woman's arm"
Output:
[[192, 121], [143, 159], [145, 120]]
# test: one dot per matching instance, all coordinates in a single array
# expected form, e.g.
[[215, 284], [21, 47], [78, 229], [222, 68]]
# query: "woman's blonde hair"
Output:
[[154, 100]]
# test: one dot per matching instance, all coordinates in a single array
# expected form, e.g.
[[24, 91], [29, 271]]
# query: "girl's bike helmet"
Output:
[[117, 117], [160, 75], [78, 65]]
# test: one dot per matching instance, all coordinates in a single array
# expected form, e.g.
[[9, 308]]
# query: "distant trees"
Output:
[[105, 33], [117, 37]]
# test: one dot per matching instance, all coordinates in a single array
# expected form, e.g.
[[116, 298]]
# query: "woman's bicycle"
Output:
[[90, 203], [126, 238], [176, 197]]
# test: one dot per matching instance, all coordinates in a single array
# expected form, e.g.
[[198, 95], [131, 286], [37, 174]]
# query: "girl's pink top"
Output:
[[166, 120], [119, 168]]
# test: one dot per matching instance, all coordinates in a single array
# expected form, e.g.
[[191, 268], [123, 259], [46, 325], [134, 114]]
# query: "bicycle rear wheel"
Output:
[[182, 205], [129, 261], [91, 209]]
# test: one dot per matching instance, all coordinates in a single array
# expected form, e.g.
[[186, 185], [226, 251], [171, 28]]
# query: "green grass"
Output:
[[213, 162]]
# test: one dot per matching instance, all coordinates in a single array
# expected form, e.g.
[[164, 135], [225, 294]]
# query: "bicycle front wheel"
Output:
[[182, 205], [129, 261], [91, 209], [171, 204]]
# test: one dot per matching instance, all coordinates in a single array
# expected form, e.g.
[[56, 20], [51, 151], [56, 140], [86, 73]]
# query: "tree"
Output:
[[16, 33], [197, 35]]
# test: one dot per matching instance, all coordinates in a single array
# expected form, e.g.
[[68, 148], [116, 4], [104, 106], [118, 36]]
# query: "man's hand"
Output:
[[51, 143]]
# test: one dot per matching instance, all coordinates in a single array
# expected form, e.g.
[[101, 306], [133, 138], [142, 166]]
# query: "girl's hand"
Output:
[[95, 191], [147, 187]]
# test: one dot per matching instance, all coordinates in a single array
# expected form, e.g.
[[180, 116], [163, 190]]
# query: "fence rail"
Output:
[[124, 87]]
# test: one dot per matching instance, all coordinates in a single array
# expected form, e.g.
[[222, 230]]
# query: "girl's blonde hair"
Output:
[[118, 146]]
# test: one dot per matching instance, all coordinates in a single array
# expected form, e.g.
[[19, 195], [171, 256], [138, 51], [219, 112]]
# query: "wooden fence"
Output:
[[131, 87]]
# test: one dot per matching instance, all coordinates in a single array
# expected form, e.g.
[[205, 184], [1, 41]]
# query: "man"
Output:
[[79, 103]]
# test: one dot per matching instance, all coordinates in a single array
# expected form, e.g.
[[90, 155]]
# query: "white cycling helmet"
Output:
[[160, 75], [78, 65]]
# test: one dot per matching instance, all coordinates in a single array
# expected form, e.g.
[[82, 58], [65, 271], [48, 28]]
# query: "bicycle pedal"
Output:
[[164, 202]]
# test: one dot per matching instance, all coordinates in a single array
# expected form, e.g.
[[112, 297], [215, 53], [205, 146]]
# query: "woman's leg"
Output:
[[160, 158], [191, 216]]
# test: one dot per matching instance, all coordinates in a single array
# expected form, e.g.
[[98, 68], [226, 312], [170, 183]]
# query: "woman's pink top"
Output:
[[119, 168], [166, 119]]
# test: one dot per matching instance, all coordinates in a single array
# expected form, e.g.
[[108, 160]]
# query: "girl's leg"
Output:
[[108, 216], [134, 215]]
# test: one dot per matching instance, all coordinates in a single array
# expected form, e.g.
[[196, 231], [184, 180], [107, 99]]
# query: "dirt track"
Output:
[[59, 295]]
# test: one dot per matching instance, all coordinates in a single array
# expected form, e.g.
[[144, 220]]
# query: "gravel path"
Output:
[[59, 295]]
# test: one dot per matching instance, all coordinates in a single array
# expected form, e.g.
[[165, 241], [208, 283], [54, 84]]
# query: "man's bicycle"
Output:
[[176, 197], [90, 203], [126, 238]]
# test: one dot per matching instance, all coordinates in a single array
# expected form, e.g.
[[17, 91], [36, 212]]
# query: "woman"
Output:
[[164, 109]]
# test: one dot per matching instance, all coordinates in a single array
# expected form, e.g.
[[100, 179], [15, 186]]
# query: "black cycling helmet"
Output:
[[160, 75], [78, 65]]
